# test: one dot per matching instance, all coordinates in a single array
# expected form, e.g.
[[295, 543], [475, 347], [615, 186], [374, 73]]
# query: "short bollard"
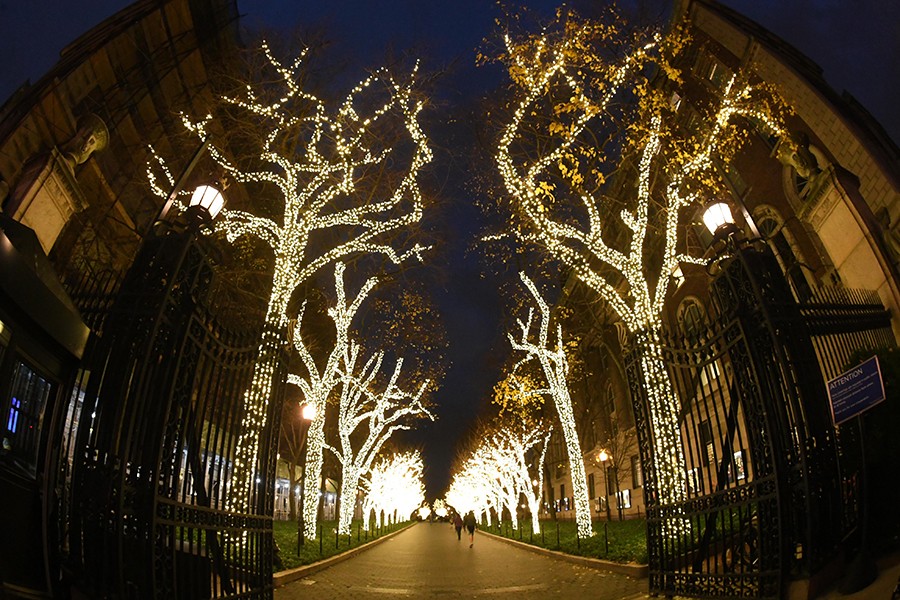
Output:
[[543, 543], [337, 539], [557, 536]]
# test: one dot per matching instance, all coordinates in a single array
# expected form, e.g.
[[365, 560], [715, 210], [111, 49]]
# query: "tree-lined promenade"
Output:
[[427, 560]]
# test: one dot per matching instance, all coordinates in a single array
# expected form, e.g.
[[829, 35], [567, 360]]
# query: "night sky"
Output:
[[857, 43]]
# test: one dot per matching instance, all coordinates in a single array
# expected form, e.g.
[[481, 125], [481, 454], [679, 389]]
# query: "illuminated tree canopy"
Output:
[[322, 162], [393, 487], [599, 169], [506, 466]]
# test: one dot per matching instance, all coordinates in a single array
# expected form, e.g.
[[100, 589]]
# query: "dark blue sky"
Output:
[[857, 43]]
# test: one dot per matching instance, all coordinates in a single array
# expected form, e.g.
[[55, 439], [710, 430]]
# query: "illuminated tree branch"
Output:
[[555, 365], [618, 260], [319, 187]]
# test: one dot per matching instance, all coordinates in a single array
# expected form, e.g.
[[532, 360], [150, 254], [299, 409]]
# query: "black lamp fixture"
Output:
[[206, 203]]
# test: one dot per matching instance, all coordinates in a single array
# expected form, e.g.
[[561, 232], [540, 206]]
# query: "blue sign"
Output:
[[855, 391]]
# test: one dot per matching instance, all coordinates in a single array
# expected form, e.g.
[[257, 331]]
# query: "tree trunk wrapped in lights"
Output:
[[379, 413], [328, 168], [318, 385], [555, 366], [568, 92]]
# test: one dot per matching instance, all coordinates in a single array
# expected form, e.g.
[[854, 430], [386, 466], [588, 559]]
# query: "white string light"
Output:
[[318, 190], [555, 366], [624, 278]]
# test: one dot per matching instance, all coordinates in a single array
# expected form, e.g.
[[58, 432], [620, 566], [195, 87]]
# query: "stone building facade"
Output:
[[73, 155]]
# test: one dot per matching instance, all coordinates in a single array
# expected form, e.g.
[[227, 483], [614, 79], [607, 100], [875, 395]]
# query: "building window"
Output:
[[693, 481], [713, 70], [736, 470], [591, 488], [25, 411], [675, 101], [608, 408], [637, 473], [623, 499], [706, 442]]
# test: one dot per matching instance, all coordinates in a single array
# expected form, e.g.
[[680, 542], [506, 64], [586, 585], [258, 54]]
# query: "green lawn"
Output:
[[312, 550], [618, 541]]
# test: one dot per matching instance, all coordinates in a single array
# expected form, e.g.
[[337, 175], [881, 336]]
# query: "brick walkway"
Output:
[[427, 561]]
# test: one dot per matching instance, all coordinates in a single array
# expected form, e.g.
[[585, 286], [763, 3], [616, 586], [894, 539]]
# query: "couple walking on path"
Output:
[[469, 523]]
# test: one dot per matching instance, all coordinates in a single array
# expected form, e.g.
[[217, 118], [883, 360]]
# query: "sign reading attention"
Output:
[[855, 391]]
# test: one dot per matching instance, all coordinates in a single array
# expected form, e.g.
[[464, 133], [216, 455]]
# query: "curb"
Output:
[[630, 569], [283, 577]]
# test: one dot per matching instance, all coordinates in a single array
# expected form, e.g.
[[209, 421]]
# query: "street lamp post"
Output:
[[602, 457], [307, 414]]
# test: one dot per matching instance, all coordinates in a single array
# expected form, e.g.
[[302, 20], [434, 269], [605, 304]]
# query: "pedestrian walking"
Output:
[[469, 522], [458, 523]]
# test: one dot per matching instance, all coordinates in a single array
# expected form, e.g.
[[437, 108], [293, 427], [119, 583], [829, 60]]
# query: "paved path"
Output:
[[427, 561]]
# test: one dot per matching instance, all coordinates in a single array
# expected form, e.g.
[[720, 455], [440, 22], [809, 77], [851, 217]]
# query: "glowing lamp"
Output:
[[308, 412], [717, 215], [603, 456], [208, 198]]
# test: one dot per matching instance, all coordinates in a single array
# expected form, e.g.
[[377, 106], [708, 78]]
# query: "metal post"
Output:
[[557, 536], [301, 534], [606, 536], [606, 489]]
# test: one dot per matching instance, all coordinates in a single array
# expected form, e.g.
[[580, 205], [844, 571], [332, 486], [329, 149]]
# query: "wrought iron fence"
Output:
[[153, 421], [728, 543], [844, 323], [760, 497]]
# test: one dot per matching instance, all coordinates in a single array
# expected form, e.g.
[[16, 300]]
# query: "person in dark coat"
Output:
[[458, 523], [469, 522]]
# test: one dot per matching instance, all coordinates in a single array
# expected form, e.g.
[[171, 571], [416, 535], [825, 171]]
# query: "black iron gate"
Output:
[[154, 419], [761, 495]]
